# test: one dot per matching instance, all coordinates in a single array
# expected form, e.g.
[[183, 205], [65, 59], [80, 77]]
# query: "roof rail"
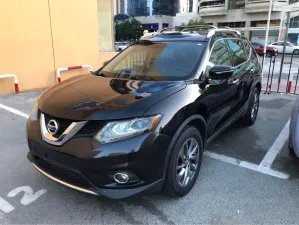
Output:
[[211, 30], [166, 28], [196, 27]]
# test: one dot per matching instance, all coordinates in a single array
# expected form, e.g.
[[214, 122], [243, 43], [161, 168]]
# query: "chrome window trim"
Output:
[[248, 57], [67, 134]]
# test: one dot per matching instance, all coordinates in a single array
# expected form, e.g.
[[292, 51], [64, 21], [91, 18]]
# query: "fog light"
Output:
[[121, 178]]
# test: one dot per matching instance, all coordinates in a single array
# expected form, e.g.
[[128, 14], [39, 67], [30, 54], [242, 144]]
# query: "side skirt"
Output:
[[232, 120]]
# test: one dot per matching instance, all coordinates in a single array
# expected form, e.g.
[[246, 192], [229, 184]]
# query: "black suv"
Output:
[[140, 123]]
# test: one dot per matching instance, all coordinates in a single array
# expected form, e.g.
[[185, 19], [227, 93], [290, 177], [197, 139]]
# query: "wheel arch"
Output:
[[196, 121], [258, 85]]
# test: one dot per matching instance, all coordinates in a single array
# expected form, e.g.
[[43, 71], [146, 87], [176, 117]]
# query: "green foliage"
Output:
[[195, 21], [128, 30]]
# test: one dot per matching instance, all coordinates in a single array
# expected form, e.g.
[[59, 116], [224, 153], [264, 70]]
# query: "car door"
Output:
[[243, 68], [278, 46], [289, 48], [220, 97]]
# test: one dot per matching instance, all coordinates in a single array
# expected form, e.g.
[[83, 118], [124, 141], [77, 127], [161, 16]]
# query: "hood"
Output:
[[89, 97]]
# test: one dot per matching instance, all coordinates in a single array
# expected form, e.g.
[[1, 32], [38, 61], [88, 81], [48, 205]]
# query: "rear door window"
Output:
[[237, 46]]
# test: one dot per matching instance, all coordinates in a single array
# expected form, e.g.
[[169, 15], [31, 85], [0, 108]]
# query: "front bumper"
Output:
[[143, 157], [76, 181]]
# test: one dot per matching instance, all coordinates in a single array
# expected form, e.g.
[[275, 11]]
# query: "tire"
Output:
[[120, 50], [296, 52], [250, 117], [269, 54], [177, 183]]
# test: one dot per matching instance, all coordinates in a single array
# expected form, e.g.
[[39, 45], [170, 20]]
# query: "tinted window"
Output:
[[220, 54], [156, 61], [256, 45], [237, 47], [247, 49]]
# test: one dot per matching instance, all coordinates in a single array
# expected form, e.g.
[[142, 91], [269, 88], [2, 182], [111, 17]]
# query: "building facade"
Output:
[[153, 14], [248, 16]]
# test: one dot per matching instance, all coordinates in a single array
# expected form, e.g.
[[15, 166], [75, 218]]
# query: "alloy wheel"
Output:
[[187, 162]]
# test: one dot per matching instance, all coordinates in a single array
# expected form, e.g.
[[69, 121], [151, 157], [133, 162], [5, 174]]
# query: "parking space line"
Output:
[[246, 165], [276, 147], [15, 111]]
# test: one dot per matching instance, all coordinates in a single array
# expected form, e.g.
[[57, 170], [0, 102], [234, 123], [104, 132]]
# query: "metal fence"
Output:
[[281, 77]]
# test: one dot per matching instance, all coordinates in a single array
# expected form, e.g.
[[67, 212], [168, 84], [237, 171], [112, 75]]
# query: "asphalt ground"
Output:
[[228, 191]]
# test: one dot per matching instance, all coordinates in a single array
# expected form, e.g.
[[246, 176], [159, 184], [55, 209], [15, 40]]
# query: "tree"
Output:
[[195, 21], [128, 30]]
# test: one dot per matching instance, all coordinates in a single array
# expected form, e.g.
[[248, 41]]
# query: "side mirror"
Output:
[[221, 72]]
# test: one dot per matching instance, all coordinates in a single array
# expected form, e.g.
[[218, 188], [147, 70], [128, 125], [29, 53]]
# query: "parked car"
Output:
[[294, 130], [141, 122], [259, 48], [120, 46], [290, 47]]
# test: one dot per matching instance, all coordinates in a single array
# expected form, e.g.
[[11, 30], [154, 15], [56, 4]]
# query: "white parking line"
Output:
[[247, 165], [15, 111], [264, 166], [276, 147]]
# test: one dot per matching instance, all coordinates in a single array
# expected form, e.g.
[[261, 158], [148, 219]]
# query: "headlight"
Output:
[[118, 130]]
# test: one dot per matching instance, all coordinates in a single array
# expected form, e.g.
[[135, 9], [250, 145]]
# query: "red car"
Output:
[[259, 48]]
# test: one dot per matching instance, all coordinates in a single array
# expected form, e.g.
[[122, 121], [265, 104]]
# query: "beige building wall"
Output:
[[26, 45], [40, 36]]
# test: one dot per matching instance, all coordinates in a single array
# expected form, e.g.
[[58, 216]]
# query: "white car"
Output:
[[290, 48], [120, 46]]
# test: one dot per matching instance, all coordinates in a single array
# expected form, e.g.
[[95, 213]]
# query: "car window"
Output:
[[256, 45], [237, 47], [161, 61], [220, 54], [247, 49]]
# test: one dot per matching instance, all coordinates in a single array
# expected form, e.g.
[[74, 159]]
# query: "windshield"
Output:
[[160, 61]]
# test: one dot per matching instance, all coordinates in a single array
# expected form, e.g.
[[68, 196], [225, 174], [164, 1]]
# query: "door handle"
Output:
[[236, 81]]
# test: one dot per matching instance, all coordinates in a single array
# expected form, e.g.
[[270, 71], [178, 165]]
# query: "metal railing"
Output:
[[287, 80]]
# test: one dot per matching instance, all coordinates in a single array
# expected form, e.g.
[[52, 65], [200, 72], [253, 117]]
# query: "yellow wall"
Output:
[[28, 49]]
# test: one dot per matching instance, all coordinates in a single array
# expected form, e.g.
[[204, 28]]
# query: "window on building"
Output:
[[294, 22], [232, 24], [212, 3], [190, 5], [236, 4], [237, 47], [263, 23]]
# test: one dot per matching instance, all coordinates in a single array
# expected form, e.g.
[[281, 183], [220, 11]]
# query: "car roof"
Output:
[[191, 33]]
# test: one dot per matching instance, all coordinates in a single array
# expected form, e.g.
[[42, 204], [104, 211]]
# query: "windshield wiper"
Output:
[[147, 67], [97, 73]]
